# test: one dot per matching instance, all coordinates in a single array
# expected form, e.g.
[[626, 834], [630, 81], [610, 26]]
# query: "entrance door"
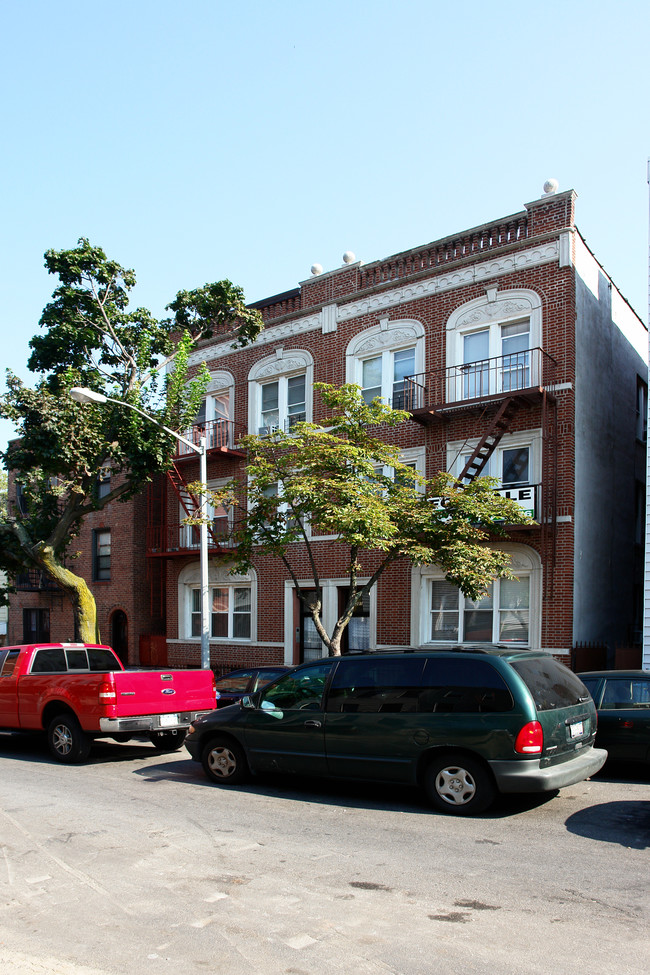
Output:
[[120, 635], [311, 647]]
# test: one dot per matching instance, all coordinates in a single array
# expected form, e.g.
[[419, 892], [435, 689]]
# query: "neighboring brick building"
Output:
[[512, 321]]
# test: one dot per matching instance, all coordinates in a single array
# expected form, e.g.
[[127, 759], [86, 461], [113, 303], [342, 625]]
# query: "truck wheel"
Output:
[[66, 740], [224, 761], [168, 741], [458, 784]]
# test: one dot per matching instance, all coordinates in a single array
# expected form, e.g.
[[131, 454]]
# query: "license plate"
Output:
[[168, 720], [577, 729]]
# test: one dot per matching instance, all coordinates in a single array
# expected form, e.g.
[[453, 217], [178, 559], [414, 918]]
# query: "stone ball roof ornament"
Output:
[[349, 257], [316, 269], [550, 187]]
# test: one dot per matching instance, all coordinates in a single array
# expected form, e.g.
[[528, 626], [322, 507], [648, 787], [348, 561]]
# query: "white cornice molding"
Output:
[[326, 320]]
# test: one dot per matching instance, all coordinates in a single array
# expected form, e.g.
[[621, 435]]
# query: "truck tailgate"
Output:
[[163, 692]]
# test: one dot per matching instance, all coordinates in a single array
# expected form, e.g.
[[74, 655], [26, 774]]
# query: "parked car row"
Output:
[[464, 724]]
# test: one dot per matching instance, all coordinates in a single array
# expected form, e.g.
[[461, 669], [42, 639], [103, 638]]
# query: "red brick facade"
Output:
[[529, 268]]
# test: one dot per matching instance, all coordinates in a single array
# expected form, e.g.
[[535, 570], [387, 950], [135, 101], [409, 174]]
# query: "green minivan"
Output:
[[463, 724]]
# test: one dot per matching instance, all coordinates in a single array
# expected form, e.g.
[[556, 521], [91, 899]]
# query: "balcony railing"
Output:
[[219, 434], [172, 539], [34, 580], [482, 380]]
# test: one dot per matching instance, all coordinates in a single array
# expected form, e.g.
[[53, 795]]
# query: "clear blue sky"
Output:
[[200, 140]]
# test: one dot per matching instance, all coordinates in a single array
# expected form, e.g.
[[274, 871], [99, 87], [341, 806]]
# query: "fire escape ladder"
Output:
[[488, 442], [549, 491], [190, 503]]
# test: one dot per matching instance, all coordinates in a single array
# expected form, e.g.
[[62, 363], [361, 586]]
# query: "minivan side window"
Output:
[[376, 685], [299, 689], [463, 687]]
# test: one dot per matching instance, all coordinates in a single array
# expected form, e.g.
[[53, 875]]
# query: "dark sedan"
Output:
[[622, 698], [232, 687]]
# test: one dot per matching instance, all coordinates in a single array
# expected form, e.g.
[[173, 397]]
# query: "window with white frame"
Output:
[[384, 376], [381, 359], [232, 603], [230, 612], [516, 464], [282, 403], [219, 521], [501, 616], [490, 345], [280, 391], [212, 420], [509, 613]]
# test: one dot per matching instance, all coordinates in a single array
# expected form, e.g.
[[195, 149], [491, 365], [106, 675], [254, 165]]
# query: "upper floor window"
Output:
[[282, 403], [21, 500], [280, 391], [516, 464], [381, 359], [104, 482], [214, 417], [385, 376], [493, 345]]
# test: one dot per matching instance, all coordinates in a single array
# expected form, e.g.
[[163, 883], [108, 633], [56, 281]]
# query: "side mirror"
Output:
[[247, 701]]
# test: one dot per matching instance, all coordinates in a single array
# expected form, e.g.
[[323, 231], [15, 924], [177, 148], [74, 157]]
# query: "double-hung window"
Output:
[[282, 403], [102, 555], [384, 376], [230, 612], [516, 464], [501, 616], [496, 360]]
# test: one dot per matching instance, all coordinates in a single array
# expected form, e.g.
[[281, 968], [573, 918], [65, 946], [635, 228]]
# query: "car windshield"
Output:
[[552, 684]]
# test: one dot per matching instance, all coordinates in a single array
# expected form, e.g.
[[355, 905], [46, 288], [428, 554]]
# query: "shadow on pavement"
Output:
[[32, 747], [626, 823], [361, 795]]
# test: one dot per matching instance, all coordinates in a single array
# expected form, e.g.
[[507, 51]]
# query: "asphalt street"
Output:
[[133, 863]]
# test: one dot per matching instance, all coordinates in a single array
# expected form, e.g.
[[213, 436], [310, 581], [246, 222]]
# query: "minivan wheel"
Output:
[[224, 761], [459, 784]]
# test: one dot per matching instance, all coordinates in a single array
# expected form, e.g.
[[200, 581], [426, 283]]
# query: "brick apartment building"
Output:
[[515, 355]]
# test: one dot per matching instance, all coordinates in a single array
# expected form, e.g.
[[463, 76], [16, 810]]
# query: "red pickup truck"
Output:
[[76, 692]]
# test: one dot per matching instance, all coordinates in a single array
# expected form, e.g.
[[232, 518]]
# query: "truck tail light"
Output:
[[530, 740], [107, 693]]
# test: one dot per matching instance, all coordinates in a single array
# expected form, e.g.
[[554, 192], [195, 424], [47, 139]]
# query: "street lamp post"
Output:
[[83, 395]]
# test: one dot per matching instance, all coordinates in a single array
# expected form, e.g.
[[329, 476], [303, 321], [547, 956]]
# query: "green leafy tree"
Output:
[[341, 479], [92, 338]]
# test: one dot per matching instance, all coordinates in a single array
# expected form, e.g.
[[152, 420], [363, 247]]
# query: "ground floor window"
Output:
[[230, 612], [36, 626], [232, 602], [509, 613], [501, 616]]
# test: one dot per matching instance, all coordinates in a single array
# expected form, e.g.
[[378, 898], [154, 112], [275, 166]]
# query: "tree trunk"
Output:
[[83, 601]]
